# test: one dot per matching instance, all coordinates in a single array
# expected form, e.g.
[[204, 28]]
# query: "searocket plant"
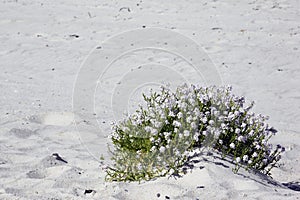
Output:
[[158, 139]]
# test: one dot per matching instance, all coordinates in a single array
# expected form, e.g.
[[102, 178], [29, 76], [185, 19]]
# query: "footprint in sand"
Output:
[[53, 118], [36, 174], [22, 133]]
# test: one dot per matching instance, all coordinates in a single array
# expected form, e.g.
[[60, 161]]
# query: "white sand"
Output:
[[254, 44]]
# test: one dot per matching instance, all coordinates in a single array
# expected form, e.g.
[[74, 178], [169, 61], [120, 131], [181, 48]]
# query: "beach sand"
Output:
[[254, 45]]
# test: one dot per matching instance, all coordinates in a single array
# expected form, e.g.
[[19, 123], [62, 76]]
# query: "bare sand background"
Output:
[[253, 43]]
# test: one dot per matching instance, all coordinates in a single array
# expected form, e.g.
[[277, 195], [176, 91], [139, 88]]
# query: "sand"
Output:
[[253, 45]]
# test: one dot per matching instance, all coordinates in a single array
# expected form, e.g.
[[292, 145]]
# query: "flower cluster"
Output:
[[158, 139]]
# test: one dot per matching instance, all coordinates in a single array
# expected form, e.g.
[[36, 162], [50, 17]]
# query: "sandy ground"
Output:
[[254, 45]]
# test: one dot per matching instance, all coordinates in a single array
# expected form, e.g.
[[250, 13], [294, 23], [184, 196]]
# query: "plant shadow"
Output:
[[263, 179]]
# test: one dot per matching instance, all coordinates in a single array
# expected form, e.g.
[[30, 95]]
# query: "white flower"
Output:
[[167, 134], [254, 155], [186, 133], [171, 171], [193, 125], [158, 158], [197, 111], [243, 125], [204, 133], [211, 122], [231, 116], [157, 124], [177, 153], [251, 122], [251, 133], [237, 131], [139, 122], [245, 158], [162, 149], [217, 133], [216, 113], [249, 161], [139, 166], [189, 119], [238, 159], [182, 105], [232, 145], [171, 114], [223, 126], [154, 131], [180, 115], [148, 129], [152, 148], [191, 101], [221, 118], [241, 139], [204, 119], [177, 123], [221, 141]]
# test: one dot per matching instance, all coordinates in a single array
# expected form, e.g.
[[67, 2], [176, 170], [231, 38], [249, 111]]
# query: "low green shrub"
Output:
[[158, 139]]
